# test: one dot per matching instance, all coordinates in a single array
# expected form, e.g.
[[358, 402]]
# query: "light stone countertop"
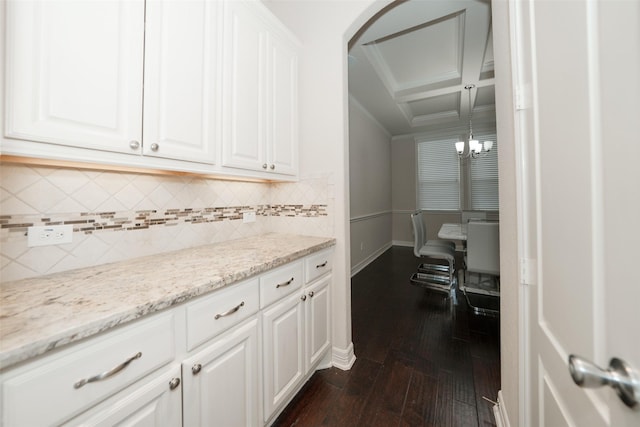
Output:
[[40, 314]]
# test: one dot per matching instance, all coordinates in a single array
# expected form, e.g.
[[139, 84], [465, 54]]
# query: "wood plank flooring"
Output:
[[421, 360]]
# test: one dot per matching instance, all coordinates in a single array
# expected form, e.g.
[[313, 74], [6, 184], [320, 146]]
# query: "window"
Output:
[[484, 178], [439, 182], [438, 175]]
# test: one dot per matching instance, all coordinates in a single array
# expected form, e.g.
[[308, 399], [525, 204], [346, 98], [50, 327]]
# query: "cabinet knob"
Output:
[[134, 145], [311, 294], [303, 297], [174, 383], [154, 147], [195, 369], [264, 166], [272, 167]]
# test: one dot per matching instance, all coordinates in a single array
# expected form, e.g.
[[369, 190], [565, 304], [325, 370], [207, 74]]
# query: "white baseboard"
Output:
[[368, 260], [500, 412], [343, 358], [402, 243]]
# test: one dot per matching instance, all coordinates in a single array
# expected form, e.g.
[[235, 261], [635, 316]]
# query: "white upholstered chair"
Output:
[[434, 276]]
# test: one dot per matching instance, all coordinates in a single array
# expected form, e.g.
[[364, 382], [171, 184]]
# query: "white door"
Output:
[[317, 321], [582, 66], [74, 73], [182, 76]]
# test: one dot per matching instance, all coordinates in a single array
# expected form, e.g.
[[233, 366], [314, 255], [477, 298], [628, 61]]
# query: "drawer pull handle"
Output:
[[324, 264], [287, 283], [108, 373], [311, 294], [227, 313], [174, 383]]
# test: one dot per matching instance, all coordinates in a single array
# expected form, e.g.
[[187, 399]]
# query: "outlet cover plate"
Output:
[[49, 235]]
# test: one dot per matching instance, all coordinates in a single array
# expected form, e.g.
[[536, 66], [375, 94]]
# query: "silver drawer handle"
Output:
[[108, 373], [287, 283], [311, 294], [324, 264], [227, 313], [174, 383]]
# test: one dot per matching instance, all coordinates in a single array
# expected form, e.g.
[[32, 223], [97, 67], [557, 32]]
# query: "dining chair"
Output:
[[431, 275], [482, 261]]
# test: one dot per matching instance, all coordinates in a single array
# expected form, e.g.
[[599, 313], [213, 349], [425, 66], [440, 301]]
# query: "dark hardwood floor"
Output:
[[421, 361]]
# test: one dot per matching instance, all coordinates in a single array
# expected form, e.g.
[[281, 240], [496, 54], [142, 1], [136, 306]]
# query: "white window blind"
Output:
[[484, 177], [438, 175]]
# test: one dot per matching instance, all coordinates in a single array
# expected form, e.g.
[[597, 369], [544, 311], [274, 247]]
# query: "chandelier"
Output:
[[476, 148]]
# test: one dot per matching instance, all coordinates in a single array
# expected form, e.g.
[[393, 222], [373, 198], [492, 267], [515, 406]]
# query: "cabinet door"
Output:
[[182, 85], [283, 108], [283, 351], [245, 88], [156, 403], [74, 72], [221, 382], [318, 321]]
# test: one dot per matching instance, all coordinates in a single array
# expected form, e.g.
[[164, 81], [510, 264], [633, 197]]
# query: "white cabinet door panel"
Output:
[[283, 347], [244, 112], [283, 110], [182, 80], [224, 390], [318, 321], [74, 72]]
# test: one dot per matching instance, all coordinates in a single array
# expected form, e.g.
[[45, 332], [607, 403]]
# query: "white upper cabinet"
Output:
[[162, 84], [74, 72], [182, 80], [261, 91]]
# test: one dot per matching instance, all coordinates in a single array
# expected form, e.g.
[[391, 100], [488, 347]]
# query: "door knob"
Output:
[[619, 376]]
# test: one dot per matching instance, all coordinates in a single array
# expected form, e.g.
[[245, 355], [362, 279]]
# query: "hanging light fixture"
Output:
[[476, 147]]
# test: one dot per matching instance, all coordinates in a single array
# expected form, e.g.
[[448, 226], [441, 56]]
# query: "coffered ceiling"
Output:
[[410, 65]]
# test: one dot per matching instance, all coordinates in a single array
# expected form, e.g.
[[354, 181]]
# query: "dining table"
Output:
[[453, 231]]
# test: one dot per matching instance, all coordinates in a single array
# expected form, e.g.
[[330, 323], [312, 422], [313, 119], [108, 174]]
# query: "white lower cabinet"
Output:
[[221, 382], [157, 402], [232, 358], [283, 351], [296, 337], [317, 321]]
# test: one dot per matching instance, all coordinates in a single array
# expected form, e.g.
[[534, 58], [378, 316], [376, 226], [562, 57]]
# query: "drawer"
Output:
[[280, 282], [318, 264], [50, 391], [221, 310]]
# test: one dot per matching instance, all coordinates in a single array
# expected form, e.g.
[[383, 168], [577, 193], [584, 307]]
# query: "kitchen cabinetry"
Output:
[[296, 334], [261, 132], [221, 382], [75, 76], [233, 357], [69, 382], [75, 73]]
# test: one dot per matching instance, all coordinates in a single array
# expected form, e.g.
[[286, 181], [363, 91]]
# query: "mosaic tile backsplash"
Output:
[[117, 215]]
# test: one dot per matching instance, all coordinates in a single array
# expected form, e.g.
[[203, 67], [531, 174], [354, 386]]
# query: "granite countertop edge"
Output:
[[14, 350]]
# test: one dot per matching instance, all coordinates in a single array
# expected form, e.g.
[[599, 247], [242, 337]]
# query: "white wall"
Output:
[[369, 187]]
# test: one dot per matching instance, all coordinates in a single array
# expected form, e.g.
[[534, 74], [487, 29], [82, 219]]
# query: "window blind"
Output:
[[484, 177], [438, 175]]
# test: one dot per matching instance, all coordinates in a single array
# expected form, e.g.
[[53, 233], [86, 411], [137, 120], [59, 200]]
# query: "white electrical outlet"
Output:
[[248, 217], [49, 235]]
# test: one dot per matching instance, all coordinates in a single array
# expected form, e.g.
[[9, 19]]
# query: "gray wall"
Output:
[[369, 187]]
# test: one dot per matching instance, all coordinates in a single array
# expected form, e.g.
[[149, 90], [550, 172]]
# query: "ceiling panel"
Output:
[[410, 65], [421, 55]]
